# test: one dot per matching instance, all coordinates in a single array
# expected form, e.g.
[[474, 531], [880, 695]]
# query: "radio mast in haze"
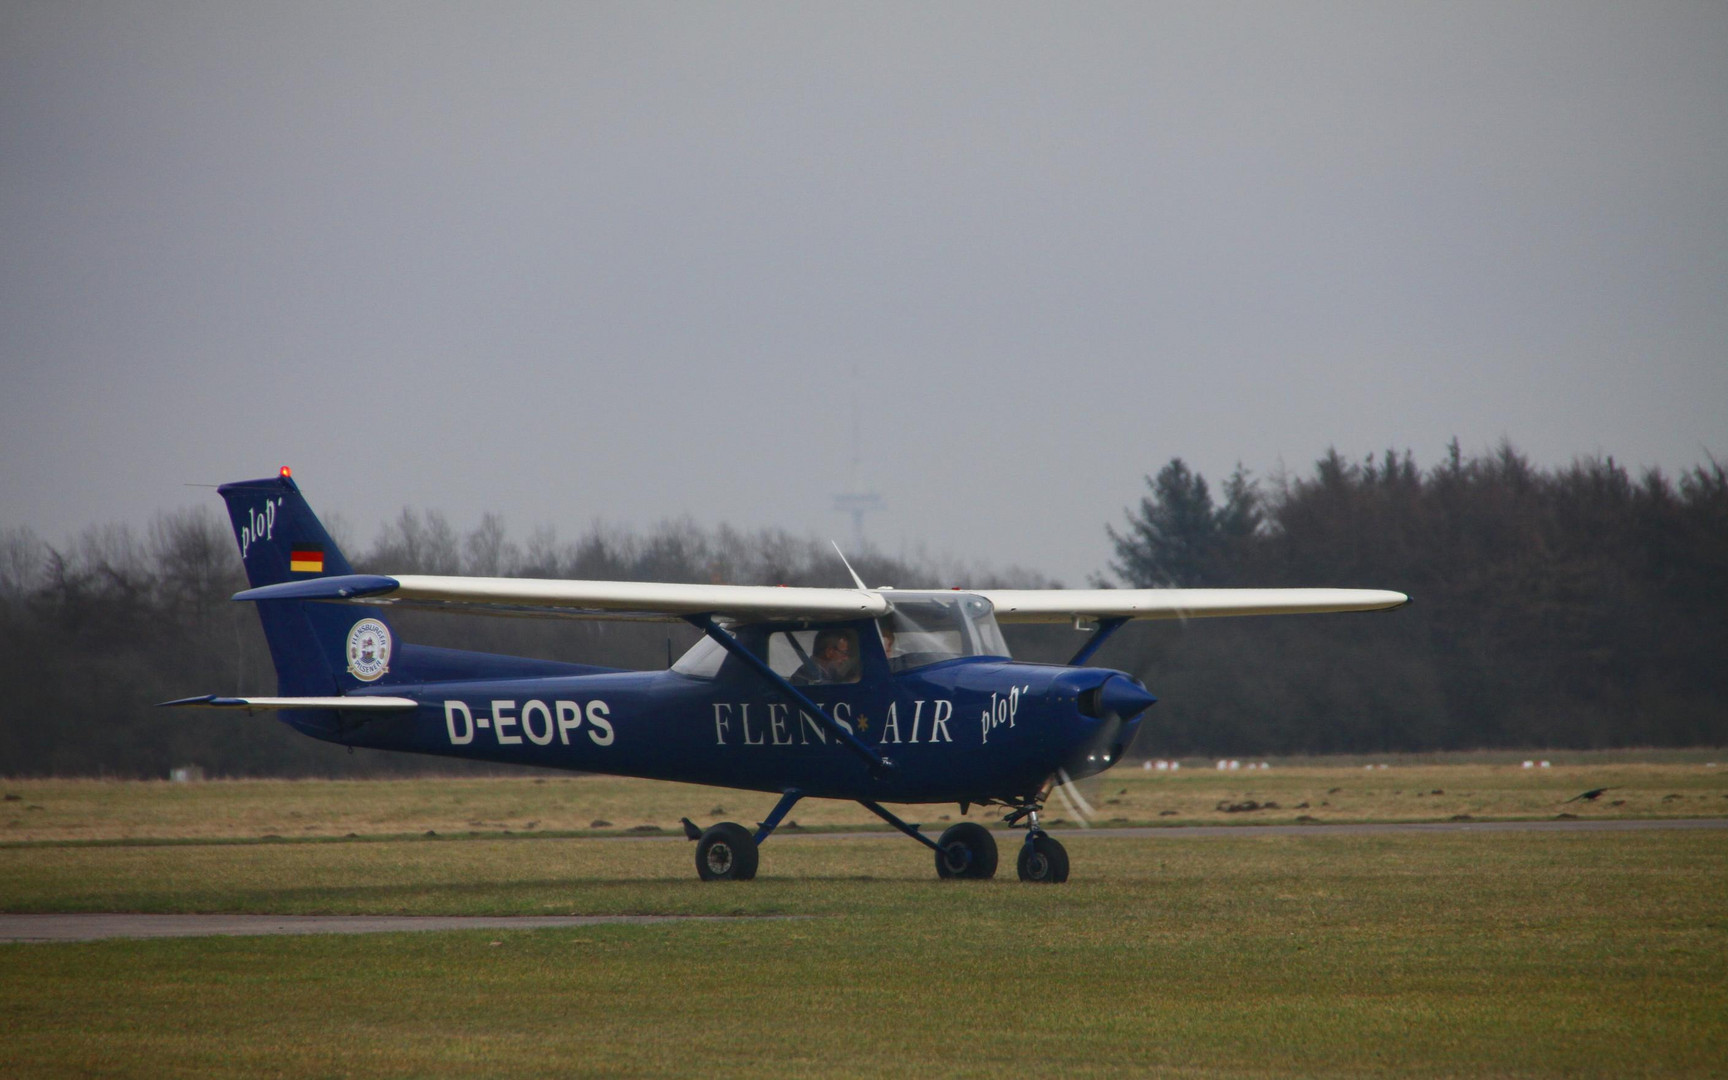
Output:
[[855, 502]]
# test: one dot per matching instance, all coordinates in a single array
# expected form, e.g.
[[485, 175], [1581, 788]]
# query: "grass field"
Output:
[[1432, 954], [1418, 790]]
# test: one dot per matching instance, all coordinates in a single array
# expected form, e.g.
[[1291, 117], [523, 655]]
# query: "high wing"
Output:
[[673, 602], [648, 600], [1061, 605]]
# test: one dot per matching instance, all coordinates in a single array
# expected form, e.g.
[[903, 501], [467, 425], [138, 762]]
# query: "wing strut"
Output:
[[1106, 627], [879, 765], [909, 830]]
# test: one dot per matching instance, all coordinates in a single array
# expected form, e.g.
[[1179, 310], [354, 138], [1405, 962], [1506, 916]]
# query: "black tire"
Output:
[[1043, 859], [726, 852], [966, 850]]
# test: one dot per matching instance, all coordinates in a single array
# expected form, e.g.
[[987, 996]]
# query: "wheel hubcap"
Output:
[[720, 858]]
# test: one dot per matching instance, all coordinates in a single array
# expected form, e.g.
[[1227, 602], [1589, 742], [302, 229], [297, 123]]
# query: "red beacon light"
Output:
[[286, 472]]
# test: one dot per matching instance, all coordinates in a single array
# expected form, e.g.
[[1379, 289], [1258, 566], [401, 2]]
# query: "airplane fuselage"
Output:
[[964, 729]]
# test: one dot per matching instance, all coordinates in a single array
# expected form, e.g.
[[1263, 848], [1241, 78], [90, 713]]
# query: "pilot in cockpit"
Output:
[[833, 658]]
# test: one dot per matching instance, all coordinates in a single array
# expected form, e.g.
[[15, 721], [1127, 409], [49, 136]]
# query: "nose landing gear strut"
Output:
[[1042, 857]]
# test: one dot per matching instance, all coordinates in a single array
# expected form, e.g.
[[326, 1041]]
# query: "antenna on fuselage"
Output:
[[858, 580]]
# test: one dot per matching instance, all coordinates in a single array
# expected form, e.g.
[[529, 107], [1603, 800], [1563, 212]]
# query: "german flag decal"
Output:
[[306, 560]]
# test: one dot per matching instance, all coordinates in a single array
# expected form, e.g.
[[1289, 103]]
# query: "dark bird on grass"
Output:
[[1590, 796]]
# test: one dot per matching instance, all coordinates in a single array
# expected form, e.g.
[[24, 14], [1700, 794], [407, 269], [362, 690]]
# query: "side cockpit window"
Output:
[[815, 657], [921, 629], [802, 657]]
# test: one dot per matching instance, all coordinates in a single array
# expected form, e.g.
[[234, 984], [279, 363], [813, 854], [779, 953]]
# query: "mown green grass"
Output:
[[1409, 790], [1532, 954]]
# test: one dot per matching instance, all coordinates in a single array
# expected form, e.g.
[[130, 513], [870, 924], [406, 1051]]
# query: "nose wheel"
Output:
[[1042, 857]]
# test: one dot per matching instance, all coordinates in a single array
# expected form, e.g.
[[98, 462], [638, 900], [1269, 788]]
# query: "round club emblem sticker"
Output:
[[368, 650]]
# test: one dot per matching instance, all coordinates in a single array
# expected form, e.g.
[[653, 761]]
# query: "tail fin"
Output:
[[319, 649]]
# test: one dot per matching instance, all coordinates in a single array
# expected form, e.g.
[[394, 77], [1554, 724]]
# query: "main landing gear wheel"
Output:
[[726, 852], [966, 850], [1043, 859]]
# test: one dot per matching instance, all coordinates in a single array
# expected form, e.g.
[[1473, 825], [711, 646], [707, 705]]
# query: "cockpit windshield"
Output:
[[929, 628]]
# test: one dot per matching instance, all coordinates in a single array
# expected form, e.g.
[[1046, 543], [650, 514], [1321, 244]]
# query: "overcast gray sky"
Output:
[[634, 261]]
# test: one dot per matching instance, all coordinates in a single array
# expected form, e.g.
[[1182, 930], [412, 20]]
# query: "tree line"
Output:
[[1580, 606], [95, 631]]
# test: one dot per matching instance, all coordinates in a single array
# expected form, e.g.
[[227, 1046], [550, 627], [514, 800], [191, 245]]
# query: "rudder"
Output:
[[318, 648]]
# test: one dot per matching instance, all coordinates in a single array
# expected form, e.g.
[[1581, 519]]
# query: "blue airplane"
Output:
[[871, 695]]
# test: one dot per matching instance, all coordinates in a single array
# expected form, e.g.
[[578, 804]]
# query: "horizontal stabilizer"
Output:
[[366, 703], [345, 587]]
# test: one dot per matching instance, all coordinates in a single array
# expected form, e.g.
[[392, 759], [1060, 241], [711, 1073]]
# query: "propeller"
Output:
[[1117, 699], [1069, 794], [1114, 702]]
